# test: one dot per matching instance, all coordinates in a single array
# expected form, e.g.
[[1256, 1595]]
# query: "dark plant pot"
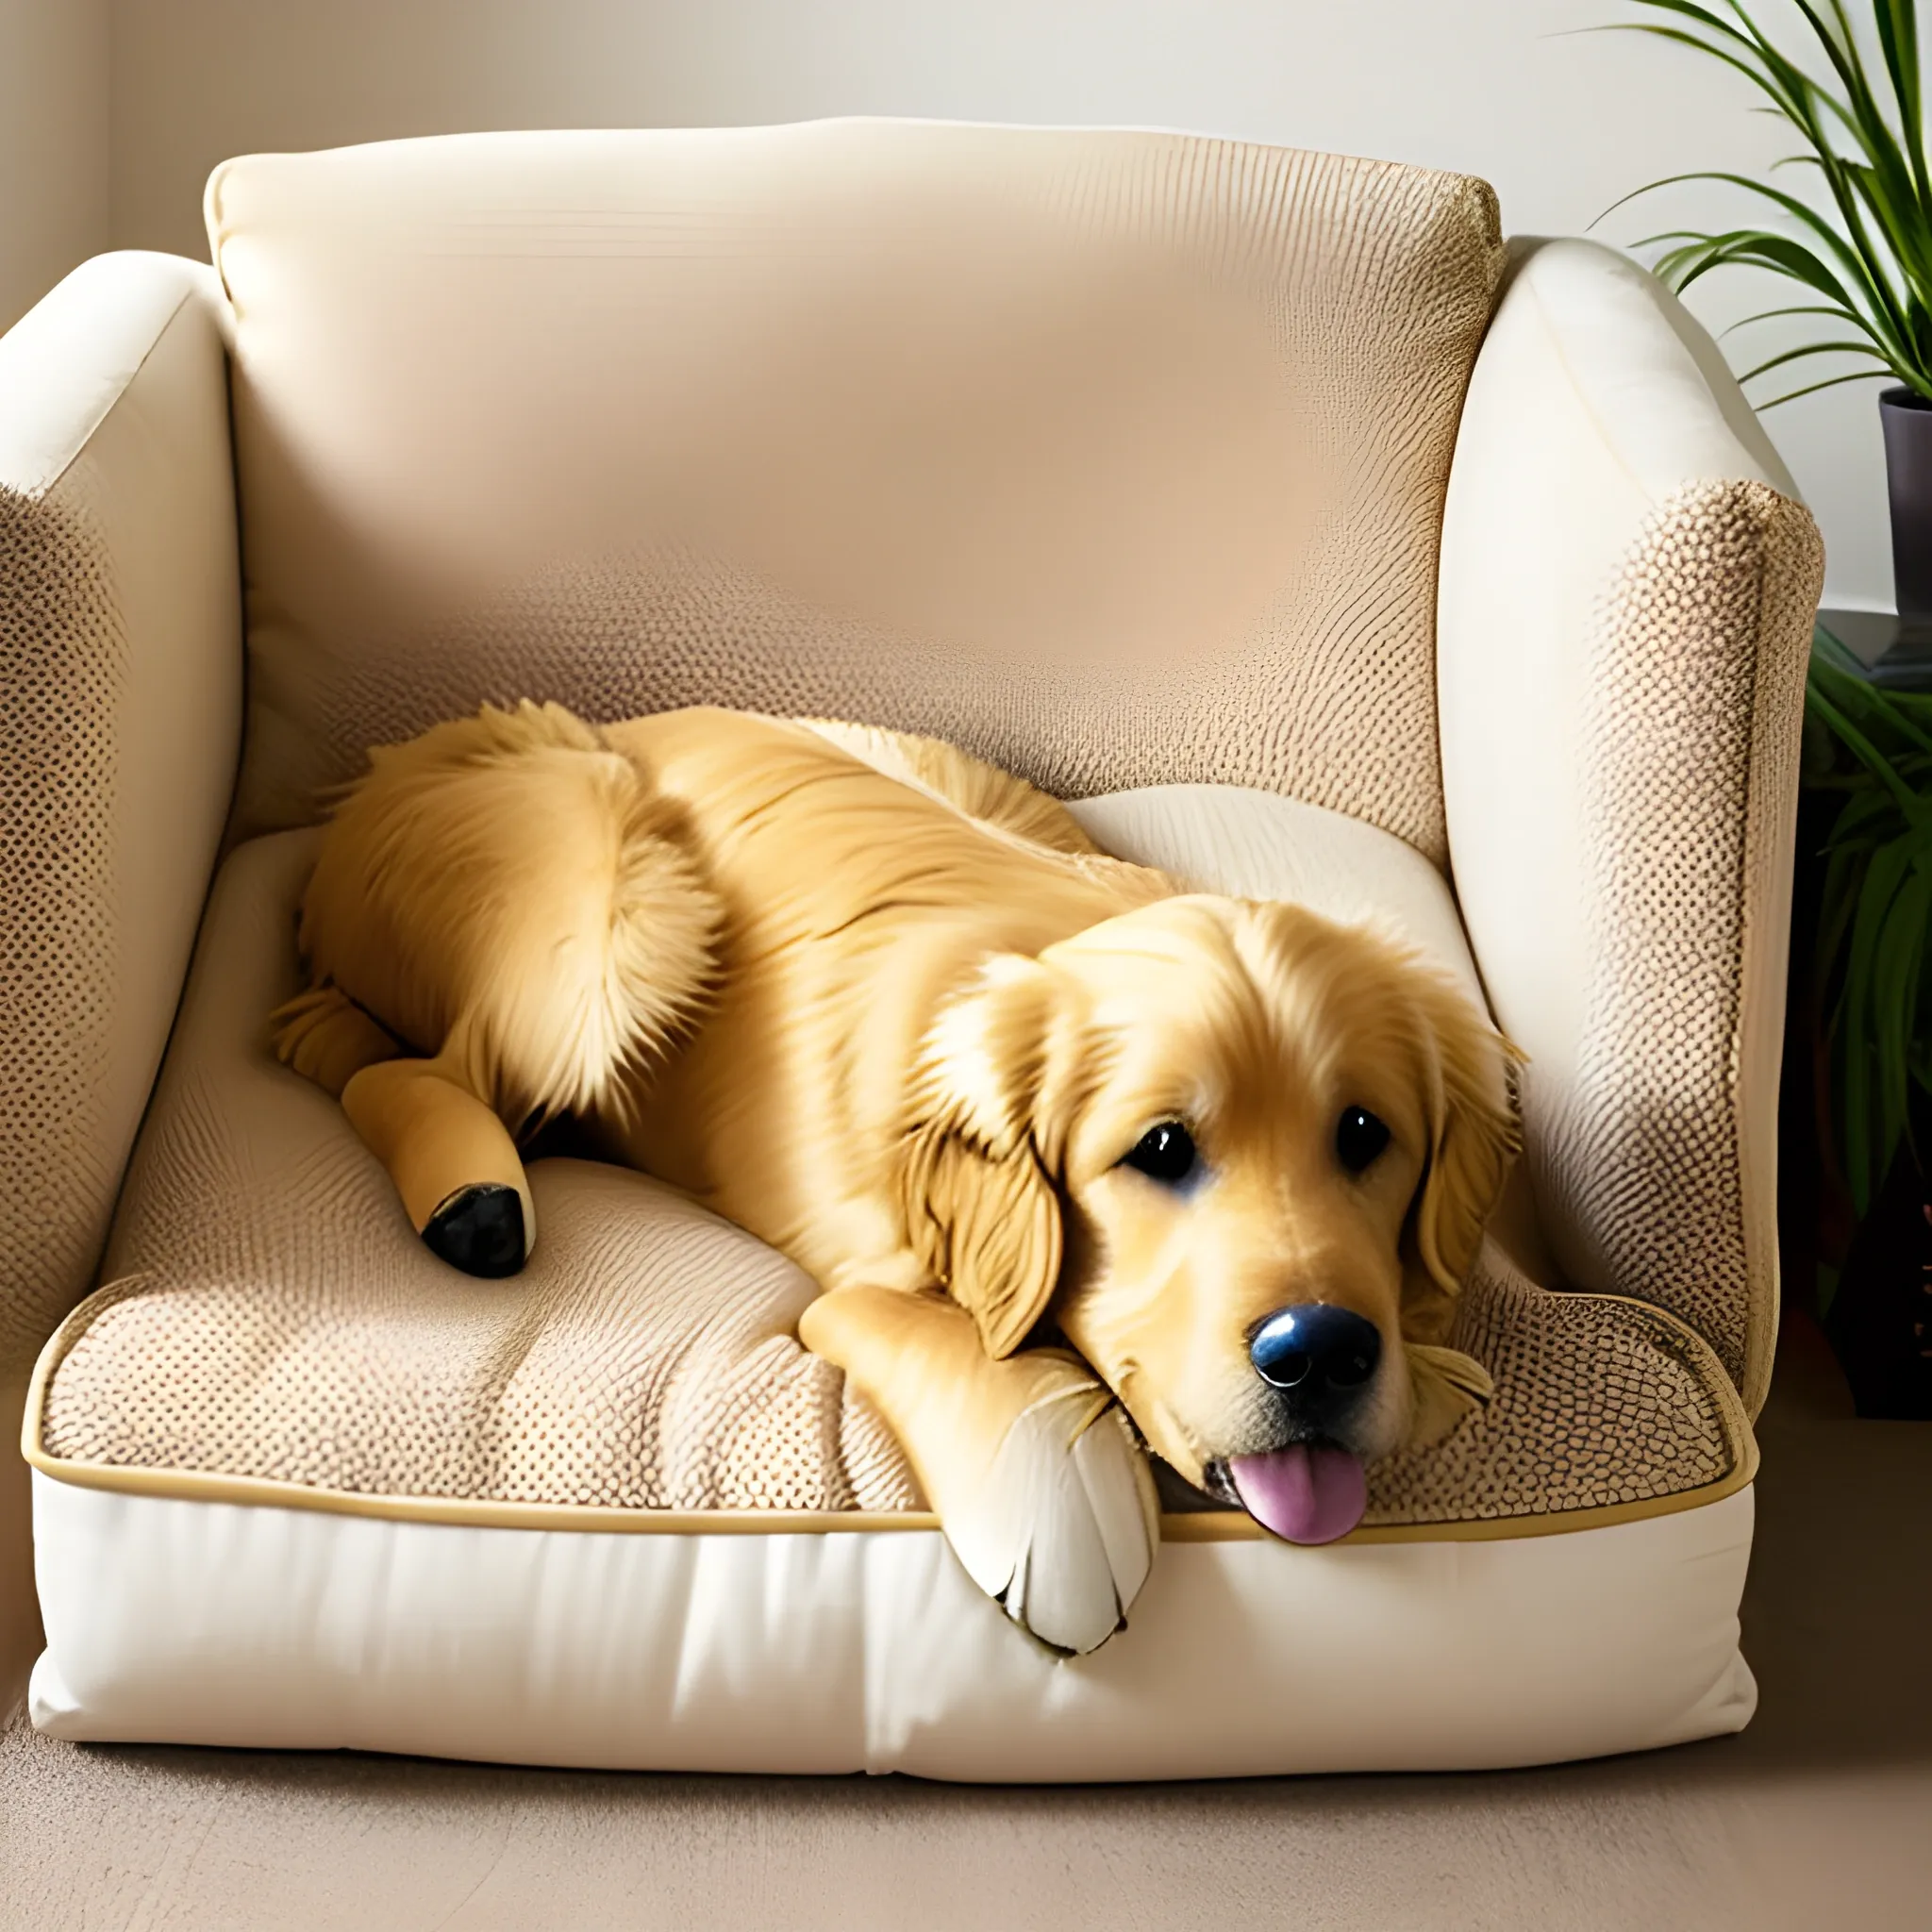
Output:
[[1908, 420]]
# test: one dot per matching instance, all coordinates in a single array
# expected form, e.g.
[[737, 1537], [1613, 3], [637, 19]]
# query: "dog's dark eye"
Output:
[[1165, 1153], [1359, 1136]]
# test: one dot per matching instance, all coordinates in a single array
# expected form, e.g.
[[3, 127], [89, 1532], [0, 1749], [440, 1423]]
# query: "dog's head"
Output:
[[1242, 1156]]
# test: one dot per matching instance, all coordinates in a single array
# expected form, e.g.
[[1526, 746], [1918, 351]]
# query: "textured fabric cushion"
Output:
[[1629, 584], [274, 1321], [1116, 457], [189, 1621], [120, 712]]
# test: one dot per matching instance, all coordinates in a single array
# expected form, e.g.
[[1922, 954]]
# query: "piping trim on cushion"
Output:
[[1230, 1525]]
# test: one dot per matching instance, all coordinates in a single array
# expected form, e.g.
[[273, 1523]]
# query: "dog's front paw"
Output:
[[1063, 1528]]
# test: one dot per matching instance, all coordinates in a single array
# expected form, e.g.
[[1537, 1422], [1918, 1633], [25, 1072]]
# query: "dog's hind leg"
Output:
[[328, 1039], [509, 894], [452, 1160], [453, 1163]]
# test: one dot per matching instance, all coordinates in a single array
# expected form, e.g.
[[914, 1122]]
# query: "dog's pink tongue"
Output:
[[1304, 1495]]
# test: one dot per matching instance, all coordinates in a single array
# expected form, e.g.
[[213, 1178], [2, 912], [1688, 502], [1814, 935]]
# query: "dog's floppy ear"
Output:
[[980, 1207], [1473, 1136], [1447, 1385]]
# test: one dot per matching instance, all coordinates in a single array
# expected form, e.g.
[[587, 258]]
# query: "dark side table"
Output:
[[1893, 658]]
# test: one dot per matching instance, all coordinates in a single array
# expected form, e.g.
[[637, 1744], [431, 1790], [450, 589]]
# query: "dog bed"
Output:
[[297, 1484]]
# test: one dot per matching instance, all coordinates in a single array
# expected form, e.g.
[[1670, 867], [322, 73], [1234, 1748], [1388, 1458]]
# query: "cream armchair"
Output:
[[1260, 502]]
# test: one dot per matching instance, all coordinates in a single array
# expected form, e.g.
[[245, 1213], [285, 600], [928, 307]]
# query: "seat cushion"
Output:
[[275, 1342], [270, 1316], [173, 1619], [1114, 457]]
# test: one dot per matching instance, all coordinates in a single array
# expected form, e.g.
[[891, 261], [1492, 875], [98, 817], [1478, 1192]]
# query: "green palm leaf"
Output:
[[1805, 349], [1867, 247], [1837, 314]]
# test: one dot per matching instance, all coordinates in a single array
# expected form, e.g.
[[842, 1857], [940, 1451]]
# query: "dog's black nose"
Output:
[[1315, 1347]]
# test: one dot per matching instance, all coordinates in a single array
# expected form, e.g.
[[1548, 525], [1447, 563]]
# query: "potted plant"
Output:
[[1861, 986], [1861, 250]]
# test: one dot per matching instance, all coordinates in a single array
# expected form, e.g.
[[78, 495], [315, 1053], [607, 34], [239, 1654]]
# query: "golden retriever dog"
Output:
[[1084, 1164]]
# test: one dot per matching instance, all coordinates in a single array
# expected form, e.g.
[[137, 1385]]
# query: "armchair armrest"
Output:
[[120, 715], [120, 724], [1627, 588]]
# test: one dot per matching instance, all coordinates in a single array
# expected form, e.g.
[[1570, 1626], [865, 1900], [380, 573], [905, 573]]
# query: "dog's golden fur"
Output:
[[889, 1010]]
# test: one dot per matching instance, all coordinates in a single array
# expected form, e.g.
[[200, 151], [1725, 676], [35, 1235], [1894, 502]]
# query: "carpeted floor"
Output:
[[1818, 1815]]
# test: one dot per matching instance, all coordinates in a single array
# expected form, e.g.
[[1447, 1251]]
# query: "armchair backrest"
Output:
[[1118, 458]]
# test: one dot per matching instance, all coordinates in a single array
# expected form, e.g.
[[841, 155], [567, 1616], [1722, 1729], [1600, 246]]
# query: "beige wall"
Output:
[[54, 145], [1563, 124]]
